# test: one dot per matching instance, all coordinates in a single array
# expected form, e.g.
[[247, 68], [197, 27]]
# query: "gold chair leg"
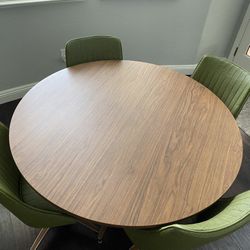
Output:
[[39, 238], [133, 248]]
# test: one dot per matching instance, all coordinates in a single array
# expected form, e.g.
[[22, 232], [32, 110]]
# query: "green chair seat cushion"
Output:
[[31, 197]]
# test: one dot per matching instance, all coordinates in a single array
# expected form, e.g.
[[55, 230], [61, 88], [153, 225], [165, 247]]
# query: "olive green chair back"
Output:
[[233, 215], [19, 198], [95, 48], [226, 80]]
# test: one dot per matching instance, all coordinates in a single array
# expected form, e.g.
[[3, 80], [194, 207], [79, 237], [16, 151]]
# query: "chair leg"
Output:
[[133, 248], [91, 226], [101, 234], [100, 230], [39, 238]]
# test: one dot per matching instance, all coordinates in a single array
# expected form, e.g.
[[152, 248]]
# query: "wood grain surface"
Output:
[[125, 143]]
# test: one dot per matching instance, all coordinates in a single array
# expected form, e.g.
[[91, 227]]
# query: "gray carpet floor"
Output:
[[244, 118]]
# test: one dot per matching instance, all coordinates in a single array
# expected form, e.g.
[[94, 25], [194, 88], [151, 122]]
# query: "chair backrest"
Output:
[[226, 80], [9, 174], [234, 213], [95, 48]]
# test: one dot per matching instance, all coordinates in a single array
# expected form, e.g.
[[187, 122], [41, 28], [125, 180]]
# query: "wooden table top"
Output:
[[125, 143]]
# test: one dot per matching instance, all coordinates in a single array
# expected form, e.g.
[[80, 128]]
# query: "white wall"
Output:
[[221, 26], [158, 31]]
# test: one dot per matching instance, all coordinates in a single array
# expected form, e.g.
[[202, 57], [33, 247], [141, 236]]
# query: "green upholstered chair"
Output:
[[227, 216], [25, 203], [18, 196], [95, 48], [226, 80]]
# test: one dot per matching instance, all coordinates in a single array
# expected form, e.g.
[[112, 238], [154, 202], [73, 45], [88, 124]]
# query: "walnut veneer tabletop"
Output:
[[125, 143]]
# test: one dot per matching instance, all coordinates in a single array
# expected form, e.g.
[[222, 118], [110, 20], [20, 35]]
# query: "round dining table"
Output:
[[125, 143]]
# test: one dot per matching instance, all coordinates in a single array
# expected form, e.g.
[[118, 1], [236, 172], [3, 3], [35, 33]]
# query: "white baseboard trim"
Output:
[[12, 94]]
